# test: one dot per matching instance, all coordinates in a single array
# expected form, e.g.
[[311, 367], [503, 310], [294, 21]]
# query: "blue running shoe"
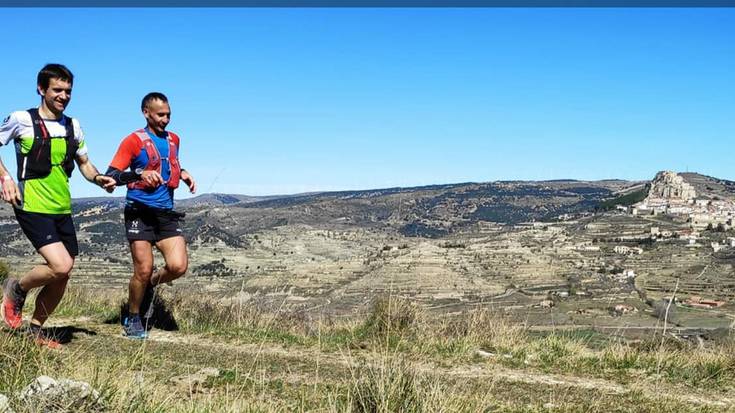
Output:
[[133, 328]]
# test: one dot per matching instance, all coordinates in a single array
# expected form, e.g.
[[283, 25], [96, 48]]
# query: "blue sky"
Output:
[[273, 101]]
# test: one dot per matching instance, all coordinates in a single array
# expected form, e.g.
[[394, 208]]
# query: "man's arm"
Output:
[[129, 148], [151, 178], [189, 180], [11, 194], [91, 173], [122, 178], [8, 132], [185, 175]]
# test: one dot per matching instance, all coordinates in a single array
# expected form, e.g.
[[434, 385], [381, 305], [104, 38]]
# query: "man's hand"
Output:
[[189, 180], [11, 194], [92, 175], [105, 182], [152, 178]]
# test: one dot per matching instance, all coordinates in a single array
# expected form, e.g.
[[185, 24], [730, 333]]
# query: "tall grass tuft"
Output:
[[460, 336], [88, 302], [486, 328], [21, 361], [393, 316], [387, 386]]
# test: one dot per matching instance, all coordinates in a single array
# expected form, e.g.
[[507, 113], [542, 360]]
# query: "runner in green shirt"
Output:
[[47, 143]]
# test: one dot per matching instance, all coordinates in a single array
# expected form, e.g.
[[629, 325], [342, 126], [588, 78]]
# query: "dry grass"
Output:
[[381, 362]]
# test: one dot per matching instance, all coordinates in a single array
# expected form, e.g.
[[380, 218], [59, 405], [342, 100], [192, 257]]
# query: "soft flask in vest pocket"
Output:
[[154, 161]]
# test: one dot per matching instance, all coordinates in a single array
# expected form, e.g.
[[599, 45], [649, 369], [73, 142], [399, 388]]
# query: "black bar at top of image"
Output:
[[367, 3]]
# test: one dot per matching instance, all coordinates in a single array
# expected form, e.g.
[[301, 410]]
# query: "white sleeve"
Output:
[[79, 136], [9, 129]]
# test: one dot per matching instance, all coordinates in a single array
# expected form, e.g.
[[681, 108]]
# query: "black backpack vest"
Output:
[[37, 162]]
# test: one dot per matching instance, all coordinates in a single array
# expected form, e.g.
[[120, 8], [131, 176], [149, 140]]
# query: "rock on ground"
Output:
[[5, 404], [49, 395]]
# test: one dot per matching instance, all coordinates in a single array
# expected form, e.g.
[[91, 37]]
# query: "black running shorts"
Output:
[[150, 224], [43, 229]]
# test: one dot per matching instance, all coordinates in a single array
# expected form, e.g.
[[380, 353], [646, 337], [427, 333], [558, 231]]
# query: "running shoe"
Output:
[[13, 301], [133, 328], [42, 338]]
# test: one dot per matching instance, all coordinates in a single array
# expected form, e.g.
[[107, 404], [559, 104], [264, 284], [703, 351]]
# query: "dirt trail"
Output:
[[488, 371]]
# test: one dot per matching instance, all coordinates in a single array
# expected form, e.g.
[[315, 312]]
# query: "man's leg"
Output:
[[55, 239], [53, 277], [142, 252], [174, 253]]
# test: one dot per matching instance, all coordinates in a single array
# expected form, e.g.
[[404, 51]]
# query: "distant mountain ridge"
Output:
[[215, 198], [665, 184], [430, 211], [425, 211]]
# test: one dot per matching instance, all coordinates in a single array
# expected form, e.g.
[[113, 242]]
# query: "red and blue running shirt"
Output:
[[131, 155]]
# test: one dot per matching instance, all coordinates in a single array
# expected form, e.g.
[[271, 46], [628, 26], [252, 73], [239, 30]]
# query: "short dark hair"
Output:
[[53, 71], [152, 96]]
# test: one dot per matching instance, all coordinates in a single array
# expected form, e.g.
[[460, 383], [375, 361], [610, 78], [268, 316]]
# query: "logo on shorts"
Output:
[[134, 227], [49, 236]]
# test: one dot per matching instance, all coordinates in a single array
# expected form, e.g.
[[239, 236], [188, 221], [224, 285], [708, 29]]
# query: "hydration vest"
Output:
[[154, 161], [37, 162]]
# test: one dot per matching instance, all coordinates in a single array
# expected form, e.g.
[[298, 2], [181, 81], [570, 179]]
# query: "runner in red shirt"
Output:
[[147, 162]]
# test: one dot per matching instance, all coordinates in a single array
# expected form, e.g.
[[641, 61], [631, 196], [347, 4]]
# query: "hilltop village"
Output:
[[672, 195]]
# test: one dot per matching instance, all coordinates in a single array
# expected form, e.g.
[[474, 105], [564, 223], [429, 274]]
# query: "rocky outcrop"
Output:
[[48, 395], [671, 185]]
